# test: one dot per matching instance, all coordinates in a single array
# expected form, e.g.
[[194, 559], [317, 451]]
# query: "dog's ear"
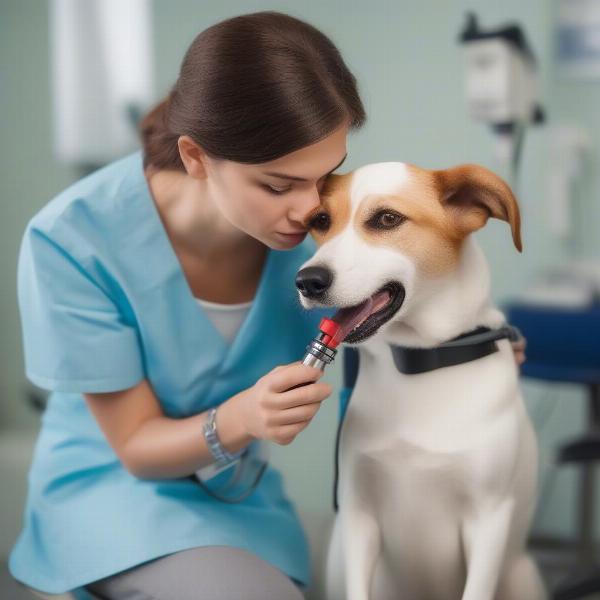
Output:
[[472, 194]]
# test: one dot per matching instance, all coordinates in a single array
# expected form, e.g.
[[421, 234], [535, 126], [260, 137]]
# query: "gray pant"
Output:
[[205, 573]]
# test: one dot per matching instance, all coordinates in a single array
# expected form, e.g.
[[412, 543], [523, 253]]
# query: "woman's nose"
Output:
[[302, 208]]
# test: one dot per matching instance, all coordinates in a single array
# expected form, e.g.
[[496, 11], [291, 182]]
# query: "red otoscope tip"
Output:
[[330, 328]]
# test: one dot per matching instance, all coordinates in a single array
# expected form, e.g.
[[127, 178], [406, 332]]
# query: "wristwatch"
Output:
[[222, 456]]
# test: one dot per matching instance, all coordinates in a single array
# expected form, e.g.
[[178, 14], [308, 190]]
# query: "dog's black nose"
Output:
[[313, 281]]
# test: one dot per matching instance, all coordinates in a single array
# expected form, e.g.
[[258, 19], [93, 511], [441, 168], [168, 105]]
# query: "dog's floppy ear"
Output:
[[472, 194]]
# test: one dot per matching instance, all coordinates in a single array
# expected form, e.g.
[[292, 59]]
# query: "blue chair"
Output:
[[563, 344]]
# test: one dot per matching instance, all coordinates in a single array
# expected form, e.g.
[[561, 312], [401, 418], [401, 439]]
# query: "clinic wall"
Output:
[[577, 102], [29, 176], [408, 64]]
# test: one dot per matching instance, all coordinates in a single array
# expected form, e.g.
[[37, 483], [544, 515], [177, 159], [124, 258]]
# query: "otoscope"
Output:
[[322, 349]]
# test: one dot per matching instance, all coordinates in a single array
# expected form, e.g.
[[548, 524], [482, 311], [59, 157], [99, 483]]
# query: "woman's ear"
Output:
[[471, 194], [192, 156]]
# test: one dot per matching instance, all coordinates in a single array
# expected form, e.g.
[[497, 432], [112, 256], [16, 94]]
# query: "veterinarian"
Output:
[[161, 287]]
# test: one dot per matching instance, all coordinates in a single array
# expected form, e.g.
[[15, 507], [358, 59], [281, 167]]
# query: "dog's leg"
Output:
[[484, 537], [521, 579], [362, 544], [334, 571]]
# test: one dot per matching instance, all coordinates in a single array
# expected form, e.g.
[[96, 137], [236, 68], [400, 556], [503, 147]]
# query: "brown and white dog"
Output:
[[438, 470]]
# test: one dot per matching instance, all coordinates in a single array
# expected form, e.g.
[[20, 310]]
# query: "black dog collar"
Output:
[[464, 348]]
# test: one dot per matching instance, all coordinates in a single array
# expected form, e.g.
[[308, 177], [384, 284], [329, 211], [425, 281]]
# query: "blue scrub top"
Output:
[[104, 303]]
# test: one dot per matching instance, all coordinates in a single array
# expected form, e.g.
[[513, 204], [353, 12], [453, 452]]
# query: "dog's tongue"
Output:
[[352, 316]]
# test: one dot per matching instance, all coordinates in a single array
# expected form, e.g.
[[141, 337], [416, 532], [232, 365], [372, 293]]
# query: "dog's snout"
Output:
[[312, 282]]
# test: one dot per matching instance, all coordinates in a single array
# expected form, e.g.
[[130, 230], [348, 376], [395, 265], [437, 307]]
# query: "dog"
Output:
[[438, 469]]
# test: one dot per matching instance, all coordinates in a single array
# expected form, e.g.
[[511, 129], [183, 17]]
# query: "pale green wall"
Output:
[[409, 69]]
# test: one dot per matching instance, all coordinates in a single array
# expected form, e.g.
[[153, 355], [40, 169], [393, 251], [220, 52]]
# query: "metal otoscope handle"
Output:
[[322, 349]]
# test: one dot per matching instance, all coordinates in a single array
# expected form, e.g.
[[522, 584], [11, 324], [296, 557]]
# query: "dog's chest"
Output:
[[446, 410], [446, 431]]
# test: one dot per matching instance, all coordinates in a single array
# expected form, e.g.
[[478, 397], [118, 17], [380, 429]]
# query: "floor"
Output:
[[9, 588], [552, 563]]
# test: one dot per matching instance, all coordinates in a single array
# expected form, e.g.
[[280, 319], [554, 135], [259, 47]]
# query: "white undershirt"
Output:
[[227, 318]]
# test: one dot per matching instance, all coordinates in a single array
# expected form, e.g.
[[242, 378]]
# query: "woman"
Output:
[[161, 287]]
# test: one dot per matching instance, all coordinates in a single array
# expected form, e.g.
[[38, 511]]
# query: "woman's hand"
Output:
[[271, 410], [519, 350]]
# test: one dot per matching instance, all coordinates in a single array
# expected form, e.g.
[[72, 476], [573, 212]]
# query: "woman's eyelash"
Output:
[[279, 192], [276, 191]]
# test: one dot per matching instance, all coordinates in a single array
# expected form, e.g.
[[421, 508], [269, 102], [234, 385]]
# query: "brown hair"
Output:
[[251, 89]]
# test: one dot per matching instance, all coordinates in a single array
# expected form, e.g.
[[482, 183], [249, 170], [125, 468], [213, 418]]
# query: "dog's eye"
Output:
[[320, 222], [386, 219]]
